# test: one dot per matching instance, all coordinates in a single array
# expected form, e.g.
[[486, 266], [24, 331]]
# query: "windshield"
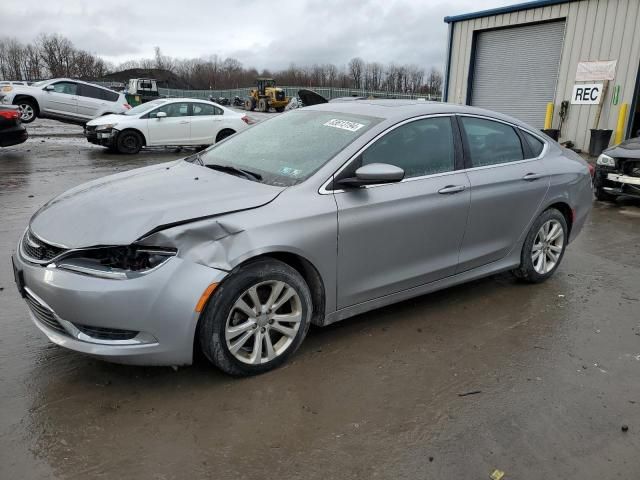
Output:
[[288, 149], [144, 107]]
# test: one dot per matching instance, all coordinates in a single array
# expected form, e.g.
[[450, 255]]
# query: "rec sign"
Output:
[[586, 94]]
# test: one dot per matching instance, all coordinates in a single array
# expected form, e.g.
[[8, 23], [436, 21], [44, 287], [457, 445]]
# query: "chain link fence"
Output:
[[326, 92]]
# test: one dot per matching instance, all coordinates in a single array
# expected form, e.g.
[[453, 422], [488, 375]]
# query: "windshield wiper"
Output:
[[234, 171]]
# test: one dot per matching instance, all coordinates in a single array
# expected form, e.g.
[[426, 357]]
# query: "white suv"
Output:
[[63, 99]]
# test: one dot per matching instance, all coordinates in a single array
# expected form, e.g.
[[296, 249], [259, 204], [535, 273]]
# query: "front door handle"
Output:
[[452, 189], [530, 177], [184, 123]]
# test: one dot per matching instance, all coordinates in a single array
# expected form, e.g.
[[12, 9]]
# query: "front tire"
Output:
[[604, 196], [256, 319], [129, 142], [543, 247]]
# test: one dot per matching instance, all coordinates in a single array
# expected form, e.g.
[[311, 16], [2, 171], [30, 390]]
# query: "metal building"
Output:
[[519, 58]]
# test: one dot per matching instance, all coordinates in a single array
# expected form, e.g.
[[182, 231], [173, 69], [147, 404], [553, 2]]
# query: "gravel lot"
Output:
[[378, 396]]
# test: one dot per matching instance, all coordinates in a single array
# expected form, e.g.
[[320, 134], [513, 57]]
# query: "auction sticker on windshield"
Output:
[[344, 124]]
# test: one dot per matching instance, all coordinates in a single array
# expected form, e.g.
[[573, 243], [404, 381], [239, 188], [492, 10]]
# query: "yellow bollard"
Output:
[[549, 116], [622, 116]]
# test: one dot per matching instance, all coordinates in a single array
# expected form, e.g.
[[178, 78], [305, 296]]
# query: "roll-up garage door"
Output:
[[516, 70]]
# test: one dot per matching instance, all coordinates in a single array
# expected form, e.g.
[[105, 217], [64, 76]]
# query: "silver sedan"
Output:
[[311, 217]]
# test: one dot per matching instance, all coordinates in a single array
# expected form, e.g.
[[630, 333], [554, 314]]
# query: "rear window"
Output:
[[108, 95], [490, 142], [535, 145]]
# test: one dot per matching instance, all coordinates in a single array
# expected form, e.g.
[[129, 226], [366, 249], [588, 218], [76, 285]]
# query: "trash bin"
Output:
[[599, 141], [552, 132]]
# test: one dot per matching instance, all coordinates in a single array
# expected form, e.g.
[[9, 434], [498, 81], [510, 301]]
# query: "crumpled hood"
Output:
[[105, 119], [121, 208]]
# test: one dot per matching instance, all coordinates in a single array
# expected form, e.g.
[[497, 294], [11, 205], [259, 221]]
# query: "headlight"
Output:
[[606, 160], [6, 88], [105, 127], [118, 263]]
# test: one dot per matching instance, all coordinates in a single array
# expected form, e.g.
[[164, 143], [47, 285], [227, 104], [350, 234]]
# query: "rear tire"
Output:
[[244, 331], [129, 142], [224, 134], [543, 247], [28, 110], [280, 109]]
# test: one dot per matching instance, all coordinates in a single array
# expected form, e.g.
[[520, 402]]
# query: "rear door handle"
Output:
[[184, 123], [530, 177], [452, 189]]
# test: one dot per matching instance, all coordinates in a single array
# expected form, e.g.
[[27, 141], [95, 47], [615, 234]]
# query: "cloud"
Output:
[[269, 36]]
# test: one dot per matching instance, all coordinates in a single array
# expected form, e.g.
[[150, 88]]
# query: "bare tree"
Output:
[[356, 68]]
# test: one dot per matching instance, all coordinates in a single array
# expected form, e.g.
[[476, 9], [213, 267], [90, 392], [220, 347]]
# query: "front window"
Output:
[[422, 147], [178, 109], [288, 149], [68, 88]]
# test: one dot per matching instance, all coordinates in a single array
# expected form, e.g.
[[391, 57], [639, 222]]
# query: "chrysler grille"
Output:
[[38, 251]]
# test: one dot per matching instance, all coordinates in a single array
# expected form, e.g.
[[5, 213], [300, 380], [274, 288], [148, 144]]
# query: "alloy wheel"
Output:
[[547, 246], [263, 322], [26, 112]]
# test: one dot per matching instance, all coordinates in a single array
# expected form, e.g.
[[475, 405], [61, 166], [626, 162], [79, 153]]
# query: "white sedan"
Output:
[[166, 122]]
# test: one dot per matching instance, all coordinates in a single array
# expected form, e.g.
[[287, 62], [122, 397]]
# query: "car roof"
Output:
[[398, 110], [81, 81]]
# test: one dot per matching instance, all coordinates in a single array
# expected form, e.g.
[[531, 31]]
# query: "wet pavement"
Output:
[[556, 367]]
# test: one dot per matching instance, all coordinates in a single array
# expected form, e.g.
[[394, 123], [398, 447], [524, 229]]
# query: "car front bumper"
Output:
[[102, 138], [615, 182], [159, 308]]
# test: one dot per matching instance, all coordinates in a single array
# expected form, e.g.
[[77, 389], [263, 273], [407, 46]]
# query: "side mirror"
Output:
[[373, 174], [49, 88], [161, 114]]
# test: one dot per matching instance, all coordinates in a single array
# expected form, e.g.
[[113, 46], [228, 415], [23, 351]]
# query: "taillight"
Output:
[[127, 106], [10, 114], [248, 120], [592, 169]]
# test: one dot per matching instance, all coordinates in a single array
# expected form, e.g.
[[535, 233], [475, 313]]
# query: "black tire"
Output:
[[263, 105], [213, 325], [280, 109], [28, 110], [227, 132], [604, 196], [250, 105], [526, 271], [129, 142]]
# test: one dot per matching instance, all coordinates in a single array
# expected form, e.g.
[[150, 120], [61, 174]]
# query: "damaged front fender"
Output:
[[201, 242]]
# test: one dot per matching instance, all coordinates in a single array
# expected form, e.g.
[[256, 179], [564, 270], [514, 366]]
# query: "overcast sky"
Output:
[[258, 33]]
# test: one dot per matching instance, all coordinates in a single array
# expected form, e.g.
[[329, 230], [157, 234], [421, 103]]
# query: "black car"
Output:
[[618, 171], [12, 132]]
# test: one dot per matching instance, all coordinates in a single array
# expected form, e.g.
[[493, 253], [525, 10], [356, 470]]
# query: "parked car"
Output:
[[618, 171], [220, 100], [12, 132], [64, 99], [14, 82], [166, 122], [312, 216]]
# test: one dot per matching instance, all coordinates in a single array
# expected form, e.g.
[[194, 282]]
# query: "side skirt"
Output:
[[507, 263]]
